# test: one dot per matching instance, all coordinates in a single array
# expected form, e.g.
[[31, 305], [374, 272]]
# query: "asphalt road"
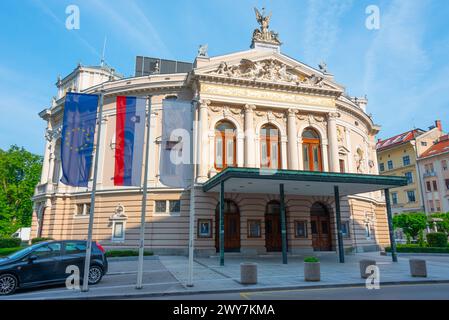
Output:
[[390, 292]]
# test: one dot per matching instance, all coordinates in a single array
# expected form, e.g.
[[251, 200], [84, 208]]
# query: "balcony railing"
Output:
[[429, 174]]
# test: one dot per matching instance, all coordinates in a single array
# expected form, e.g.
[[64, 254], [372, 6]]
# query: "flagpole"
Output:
[[85, 287], [144, 200], [192, 198]]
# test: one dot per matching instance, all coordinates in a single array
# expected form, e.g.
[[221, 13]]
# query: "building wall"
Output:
[[435, 200], [346, 133]]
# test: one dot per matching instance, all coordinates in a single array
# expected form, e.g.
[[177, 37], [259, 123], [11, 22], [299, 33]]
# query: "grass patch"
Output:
[[126, 253], [7, 251], [414, 248]]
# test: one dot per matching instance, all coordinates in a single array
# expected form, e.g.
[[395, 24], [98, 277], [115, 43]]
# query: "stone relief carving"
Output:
[[359, 158], [119, 213], [269, 69], [310, 118]]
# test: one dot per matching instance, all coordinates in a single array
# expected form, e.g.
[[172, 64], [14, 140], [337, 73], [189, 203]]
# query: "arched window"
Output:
[[270, 151], [311, 148], [225, 145]]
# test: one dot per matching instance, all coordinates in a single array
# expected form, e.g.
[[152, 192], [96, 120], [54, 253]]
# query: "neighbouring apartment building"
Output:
[[257, 109], [433, 164], [397, 156]]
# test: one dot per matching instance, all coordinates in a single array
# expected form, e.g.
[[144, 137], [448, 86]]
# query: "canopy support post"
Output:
[[341, 249], [394, 255], [283, 224], [221, 223]]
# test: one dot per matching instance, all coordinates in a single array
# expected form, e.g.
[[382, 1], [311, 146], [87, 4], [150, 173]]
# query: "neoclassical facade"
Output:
[[255, 109]]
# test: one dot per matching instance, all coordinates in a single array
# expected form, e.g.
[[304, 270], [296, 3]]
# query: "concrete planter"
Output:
[[248, 273], [365, 264], [312, 271], [418, 268]]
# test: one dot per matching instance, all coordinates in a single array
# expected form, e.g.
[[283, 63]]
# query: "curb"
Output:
[[248, 290]]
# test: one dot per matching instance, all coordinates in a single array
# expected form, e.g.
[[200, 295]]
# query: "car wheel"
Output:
[[95, 274], [8, 284]]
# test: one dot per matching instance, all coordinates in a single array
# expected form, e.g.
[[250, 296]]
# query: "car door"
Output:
[[44, 268], [74, 254]]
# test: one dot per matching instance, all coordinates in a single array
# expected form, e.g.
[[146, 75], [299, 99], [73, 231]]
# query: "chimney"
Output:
[[438, 125]]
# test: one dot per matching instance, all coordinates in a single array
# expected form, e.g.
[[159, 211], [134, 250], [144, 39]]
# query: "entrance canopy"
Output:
[[308, 183]]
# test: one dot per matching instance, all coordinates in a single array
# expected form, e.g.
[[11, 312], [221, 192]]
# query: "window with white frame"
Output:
[[118, 231], [367, 231], [82, 209], [167, 207]]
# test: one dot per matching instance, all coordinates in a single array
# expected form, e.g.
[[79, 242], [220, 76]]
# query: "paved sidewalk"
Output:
[[167, 275]]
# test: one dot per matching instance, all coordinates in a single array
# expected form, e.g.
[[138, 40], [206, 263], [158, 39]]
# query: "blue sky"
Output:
[[402, 67]]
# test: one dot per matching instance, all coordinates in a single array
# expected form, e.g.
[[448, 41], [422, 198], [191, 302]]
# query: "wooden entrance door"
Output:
[[231, 227], [273, 236], [321, 229]]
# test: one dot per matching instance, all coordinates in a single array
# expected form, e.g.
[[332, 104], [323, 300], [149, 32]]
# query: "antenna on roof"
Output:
[[104, 51]]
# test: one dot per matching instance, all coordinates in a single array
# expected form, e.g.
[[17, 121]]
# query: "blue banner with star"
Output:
[[78, 131]]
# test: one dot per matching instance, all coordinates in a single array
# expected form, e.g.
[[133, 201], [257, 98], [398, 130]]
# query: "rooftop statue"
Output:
[[263, 34]]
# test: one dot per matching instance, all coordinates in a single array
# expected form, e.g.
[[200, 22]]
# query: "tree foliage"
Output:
[[412, 224], [20, 172]]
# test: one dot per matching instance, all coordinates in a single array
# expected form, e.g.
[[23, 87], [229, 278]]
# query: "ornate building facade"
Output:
[[255, 109]]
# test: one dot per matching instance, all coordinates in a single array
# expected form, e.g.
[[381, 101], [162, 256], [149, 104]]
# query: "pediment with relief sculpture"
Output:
[[270, 70]]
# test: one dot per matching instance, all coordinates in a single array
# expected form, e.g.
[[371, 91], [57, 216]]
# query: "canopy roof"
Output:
[[309, 183]]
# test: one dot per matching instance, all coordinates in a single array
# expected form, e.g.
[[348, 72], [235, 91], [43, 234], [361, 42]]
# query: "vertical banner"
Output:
[[129, 140], [175, 159], [78, 131]]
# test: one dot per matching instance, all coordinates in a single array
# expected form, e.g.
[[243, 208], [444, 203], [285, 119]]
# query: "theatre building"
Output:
[[280, 144]]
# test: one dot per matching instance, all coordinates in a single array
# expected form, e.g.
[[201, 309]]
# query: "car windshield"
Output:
[[23, 252]]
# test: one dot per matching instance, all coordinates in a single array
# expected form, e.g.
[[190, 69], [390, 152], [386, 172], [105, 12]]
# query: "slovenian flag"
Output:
[[129, 140]]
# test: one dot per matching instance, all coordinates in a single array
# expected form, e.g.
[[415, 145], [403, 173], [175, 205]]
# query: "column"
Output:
[[283, 224], [333, 142], [341, 250], [46, 161], [249, 136], [221, 223], [51, 165], [293, 163], [390, 226], [203, 146]]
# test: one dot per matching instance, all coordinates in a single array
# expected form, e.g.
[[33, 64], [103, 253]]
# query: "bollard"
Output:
[[418, 268], [248, 273], [365, 264]]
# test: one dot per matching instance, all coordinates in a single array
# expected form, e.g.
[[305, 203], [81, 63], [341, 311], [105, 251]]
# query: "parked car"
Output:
[[46, 263]]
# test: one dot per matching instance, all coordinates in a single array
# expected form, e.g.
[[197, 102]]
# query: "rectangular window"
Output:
[[428, 186], [447, 184], [435, 185], [432, 208], [390, 164], [274, 155], [367, 231], [300, 229], [342, 166], [83, 209], [406, 160], [411, 196], [161, 206], [381, 167], [306, 158], [175, 205], [229, 152], [254, 229], [345, 229], [394, 197], [438, 205], [409, 176], [444, 165], [118, 231]]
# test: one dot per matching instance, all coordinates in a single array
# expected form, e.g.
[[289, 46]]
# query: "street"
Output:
[[388, 292]]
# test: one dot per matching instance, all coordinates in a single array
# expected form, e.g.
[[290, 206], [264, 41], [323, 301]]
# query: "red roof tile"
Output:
[[440, 147], [398, 139]]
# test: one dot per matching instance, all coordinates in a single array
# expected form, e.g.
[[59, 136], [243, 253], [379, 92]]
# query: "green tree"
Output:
[[20, 172], [412, 224]]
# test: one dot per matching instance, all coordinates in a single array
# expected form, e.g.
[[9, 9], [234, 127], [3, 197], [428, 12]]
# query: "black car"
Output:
[[46, 263]]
